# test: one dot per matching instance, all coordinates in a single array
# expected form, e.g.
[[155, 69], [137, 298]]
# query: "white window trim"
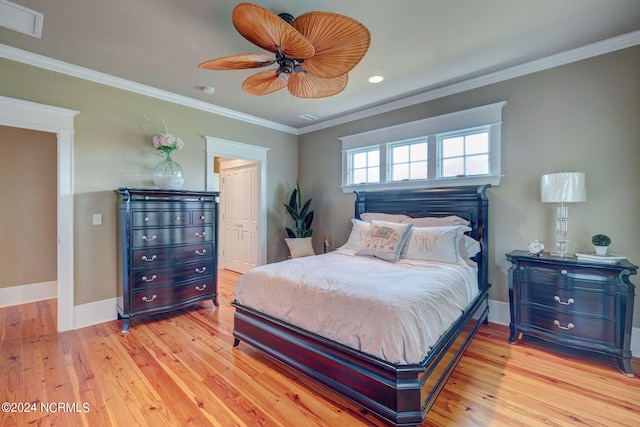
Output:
[[490, 114]]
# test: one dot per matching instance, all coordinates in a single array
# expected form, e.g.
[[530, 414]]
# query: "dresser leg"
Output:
[[125, 325], [514, 336], [625, 366], [236, 342]]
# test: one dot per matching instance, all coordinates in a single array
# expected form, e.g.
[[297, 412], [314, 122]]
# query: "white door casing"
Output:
[[40, 117], [237, 150]]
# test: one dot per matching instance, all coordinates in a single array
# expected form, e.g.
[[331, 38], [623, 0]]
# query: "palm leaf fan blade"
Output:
[[340, 42], [267, 30], [306, 85], [264, 82], [238, 62]]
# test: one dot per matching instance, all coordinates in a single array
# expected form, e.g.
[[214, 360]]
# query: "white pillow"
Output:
[[439, 244], [359, 230], [299, 247], [468, 247], [384, 240], [373, 216], [435, 221]]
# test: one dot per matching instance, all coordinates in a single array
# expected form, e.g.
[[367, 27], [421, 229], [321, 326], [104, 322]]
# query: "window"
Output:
[[461, 148], [364, 166], [408, 160], [464, 153]]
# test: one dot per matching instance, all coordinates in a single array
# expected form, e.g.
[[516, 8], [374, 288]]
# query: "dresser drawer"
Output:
[[170, 236], [569, 324], [151, 257], [168, 275], [198, 252], [202, 217], [146, 219], [170, 218], [568, 299], [153, 298]]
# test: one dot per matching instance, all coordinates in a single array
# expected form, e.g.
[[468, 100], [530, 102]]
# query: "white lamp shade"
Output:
[[566, 187]]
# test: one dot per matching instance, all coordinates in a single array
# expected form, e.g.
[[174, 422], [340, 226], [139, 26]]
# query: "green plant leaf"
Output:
[[292, 212], [290, 233]]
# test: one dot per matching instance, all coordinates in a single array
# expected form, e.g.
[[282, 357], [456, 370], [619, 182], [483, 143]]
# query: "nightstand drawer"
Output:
[[569, 324], [568, 299]]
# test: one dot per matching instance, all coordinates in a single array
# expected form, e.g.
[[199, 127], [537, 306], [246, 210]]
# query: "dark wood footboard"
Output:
[[401, 394]]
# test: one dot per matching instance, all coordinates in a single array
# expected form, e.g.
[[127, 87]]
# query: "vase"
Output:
[[601, 250], [168, 174]]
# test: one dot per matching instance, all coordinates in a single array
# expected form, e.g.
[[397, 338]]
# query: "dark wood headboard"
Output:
[[469, 202]]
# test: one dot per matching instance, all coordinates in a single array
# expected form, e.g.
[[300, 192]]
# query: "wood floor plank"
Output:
[[180, 369]]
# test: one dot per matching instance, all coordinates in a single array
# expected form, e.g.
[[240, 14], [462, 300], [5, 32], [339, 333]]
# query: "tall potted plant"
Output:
[[300, 214]]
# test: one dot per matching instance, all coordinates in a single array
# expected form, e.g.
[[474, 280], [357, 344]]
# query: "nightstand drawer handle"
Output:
[[566, 328], [144, 258], [145, 299], [198, 288], [201, 270], [202, 252], [154, 277], [563, 271], [569, 301], [148, 239]]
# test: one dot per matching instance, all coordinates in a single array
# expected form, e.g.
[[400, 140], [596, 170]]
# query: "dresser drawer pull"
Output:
[[566, 328], [146, 219], [154, 277], [204, 233], [200, 289], [144, 258], [202, 217], [201, 270], [177, 218], [202, 252], [563, 271], [145, 299], [148, 239], [569, 301]]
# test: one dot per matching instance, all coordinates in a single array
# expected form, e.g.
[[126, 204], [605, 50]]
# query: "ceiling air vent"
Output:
[[19, 18], [309, 117]]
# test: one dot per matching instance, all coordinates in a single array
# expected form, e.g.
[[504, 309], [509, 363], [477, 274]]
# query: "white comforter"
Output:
[[395, 312]]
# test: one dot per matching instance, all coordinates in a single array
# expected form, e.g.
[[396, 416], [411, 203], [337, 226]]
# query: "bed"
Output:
[[398, 386]]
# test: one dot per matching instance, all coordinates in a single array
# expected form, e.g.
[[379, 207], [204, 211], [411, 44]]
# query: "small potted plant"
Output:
[[601, 242]]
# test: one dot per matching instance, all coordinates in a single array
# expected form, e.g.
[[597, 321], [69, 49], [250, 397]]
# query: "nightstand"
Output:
[[577, 304]]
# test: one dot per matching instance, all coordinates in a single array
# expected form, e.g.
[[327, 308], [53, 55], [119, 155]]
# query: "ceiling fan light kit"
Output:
[[314, 52]]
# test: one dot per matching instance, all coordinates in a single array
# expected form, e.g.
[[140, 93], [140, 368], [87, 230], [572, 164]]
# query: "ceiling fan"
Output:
[[314, 51]]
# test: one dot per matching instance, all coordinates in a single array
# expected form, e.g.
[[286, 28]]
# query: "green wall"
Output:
[[583, 116], [112, 149]]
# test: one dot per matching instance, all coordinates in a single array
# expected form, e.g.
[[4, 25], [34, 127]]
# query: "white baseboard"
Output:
[[22, 294], [94, 313], [499, 313]]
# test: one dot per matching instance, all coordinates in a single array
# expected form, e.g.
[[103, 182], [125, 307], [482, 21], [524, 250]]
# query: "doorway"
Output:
[[40, 117], [217, 147]]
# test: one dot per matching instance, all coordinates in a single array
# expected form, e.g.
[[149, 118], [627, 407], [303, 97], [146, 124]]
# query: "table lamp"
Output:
[[565, 187]]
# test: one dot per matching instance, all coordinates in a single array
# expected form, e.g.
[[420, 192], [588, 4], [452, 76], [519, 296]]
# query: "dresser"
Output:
[[167, 242], [577, 304]]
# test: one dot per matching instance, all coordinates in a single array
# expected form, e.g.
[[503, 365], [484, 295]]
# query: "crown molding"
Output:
[[585, 52], [62, 67]]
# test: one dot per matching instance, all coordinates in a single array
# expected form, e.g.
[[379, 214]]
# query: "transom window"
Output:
[[461, 148], [464, 153]]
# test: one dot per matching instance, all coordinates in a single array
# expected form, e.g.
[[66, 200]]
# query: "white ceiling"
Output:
[[418, 45]]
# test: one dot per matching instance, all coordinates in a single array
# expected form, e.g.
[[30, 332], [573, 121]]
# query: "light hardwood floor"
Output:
[[180, 369]]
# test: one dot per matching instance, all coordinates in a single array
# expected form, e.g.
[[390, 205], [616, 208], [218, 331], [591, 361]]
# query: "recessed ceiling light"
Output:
[[208, 90], [375, 79]]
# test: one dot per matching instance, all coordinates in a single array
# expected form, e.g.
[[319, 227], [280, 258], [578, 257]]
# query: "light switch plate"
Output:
[[97, 219]]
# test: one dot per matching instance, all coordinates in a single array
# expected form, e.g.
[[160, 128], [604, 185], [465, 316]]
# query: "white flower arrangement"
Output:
[[164, 141]]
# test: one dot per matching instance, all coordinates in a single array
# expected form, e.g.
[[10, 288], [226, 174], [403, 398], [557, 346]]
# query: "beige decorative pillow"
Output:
[[439, 244], [359, 230], [384, 240], [299, 247]]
